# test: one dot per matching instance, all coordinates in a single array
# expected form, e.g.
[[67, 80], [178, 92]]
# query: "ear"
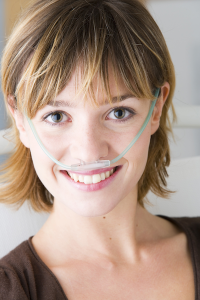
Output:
[[19, 120], [157, 112]]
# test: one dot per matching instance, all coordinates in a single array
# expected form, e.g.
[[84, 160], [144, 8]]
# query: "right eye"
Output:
[[56, 117]]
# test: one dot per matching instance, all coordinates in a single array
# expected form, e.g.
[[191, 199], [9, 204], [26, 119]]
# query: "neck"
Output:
[[116, 236]]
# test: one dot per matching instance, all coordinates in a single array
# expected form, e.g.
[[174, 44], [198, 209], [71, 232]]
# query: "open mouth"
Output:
[[89, 179]]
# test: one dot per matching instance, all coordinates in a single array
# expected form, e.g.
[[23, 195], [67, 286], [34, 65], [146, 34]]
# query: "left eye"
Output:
[[56, 117], [120, 113]]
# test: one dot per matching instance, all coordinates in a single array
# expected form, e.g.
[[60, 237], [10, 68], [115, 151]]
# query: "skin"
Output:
[[105, 234]]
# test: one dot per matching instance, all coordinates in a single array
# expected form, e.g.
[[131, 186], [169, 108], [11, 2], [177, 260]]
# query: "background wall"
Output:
[[179, 21], [3, 118], [9, 11], [12, 10], [2, 38]]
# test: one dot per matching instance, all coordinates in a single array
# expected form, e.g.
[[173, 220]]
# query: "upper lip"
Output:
[[92, 172]]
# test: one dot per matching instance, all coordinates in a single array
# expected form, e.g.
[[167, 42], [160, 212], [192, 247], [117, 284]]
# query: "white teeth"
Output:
[[103, 176], [76, 177], [91, 179], [96, 178], [81, 178], [107, 174], [87, 179]]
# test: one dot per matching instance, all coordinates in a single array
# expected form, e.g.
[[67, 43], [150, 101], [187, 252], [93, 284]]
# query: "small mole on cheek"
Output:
[[104, 217], [110, 239]]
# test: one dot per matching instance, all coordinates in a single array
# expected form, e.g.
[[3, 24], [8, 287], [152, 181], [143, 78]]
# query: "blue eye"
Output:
[[56, 117], [121, 114]]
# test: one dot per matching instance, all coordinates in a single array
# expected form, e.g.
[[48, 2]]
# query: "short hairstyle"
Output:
[[50, 40]]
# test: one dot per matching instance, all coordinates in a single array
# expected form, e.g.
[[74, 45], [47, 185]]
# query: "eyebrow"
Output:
[[62, 103]]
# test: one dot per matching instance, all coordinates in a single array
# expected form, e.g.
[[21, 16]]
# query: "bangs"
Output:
[[89, 39]]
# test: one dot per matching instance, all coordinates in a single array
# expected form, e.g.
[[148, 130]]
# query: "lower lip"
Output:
[[94, 186]]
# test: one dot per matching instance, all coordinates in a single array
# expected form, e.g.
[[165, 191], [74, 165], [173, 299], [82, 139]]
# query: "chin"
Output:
[[92, 208]]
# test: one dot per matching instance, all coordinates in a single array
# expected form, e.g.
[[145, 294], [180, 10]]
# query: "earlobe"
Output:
[[19, 121], [155, 120]]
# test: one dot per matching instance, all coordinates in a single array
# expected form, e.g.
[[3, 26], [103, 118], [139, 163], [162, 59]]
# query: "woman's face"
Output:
[[74, 130]]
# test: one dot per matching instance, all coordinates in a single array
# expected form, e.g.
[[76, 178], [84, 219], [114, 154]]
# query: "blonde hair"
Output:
[[50, 40]]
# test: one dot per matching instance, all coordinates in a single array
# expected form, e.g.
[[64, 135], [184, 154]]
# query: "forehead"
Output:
[[75, 90]]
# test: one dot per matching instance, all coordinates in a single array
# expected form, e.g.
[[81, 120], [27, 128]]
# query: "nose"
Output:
[[89, 143]]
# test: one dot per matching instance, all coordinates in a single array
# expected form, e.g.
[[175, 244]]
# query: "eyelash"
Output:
[[132, 114]]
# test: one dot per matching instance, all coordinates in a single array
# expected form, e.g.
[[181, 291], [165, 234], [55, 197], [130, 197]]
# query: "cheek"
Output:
[[43, 165], [54, 143], [137, 156]]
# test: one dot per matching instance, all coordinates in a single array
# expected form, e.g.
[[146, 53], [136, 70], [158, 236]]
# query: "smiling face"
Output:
[[71, 129]]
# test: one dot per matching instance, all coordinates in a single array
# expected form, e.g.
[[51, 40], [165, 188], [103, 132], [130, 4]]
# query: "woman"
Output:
[[79, 79]]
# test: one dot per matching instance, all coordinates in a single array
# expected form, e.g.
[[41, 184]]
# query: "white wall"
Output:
[[3, 117], [184, 178], [2, 39], [180, 24]]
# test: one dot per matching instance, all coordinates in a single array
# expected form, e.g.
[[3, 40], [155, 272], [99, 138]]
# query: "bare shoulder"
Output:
[[169, 254], [164, 270], [168, 237]]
